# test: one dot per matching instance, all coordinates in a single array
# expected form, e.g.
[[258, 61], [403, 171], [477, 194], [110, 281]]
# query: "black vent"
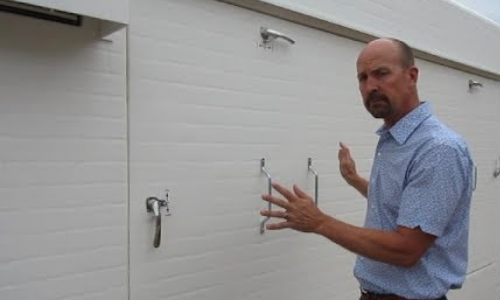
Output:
[[39, 12]]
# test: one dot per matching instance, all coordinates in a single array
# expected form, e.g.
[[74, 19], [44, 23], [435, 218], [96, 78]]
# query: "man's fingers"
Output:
[[274, 214], [299, 192], [278, 226], [344, 149], [275, 200], [288, 194]]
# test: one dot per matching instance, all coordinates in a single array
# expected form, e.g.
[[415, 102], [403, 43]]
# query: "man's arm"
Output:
[[360, 184], [348, 170], [402, 247]]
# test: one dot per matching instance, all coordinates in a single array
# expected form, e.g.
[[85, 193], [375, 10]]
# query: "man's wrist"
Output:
[[323, 225], [353, 180]]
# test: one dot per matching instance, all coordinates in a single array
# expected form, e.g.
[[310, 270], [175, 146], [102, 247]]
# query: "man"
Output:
[[414, 241]]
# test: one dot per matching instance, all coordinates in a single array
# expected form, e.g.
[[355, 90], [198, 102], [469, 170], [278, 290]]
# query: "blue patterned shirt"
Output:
[[421, 177]]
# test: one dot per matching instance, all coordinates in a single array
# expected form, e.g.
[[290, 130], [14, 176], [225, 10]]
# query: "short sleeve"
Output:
[[436, 184]]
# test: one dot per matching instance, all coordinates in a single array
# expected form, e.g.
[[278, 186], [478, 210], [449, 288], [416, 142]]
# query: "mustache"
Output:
[[376, 96]]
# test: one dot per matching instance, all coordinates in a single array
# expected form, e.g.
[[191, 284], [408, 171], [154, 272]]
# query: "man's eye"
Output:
[[381, 73]]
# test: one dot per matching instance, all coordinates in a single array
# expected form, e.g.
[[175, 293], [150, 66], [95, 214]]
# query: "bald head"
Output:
[[405, 52], [395, 47], [387, 79]]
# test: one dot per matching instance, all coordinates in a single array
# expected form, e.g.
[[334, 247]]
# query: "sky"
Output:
[[487, 8]]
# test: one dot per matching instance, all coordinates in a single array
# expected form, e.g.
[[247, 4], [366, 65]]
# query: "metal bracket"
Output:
[[316, 179], [269, 191], [496, 172]]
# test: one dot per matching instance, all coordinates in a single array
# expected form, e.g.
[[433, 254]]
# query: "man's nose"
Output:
[[371, 85]]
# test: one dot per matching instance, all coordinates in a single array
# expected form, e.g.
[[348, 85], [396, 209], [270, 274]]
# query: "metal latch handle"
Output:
[[153, 205], [473, 83], [270, 34]]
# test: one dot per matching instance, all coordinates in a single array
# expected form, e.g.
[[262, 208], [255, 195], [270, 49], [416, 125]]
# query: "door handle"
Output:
[[270, 34], [154, 205]]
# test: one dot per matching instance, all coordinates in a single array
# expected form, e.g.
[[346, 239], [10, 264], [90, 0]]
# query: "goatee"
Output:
[[378, 105]]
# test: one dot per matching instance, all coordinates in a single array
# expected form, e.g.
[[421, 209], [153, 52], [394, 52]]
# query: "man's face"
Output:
[[385, 84]]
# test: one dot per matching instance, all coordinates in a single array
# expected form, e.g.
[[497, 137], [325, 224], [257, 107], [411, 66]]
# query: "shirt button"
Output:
[[378, 154]]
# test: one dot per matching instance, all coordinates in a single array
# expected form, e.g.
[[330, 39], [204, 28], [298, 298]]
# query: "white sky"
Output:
[[487, 8]]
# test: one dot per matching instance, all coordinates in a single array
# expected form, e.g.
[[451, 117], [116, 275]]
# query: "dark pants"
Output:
[[371, 296]]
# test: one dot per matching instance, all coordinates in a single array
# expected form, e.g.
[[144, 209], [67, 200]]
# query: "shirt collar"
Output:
[[407, 125]]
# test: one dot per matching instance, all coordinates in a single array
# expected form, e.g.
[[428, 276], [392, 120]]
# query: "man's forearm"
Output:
[[386, 246], [360, 184]]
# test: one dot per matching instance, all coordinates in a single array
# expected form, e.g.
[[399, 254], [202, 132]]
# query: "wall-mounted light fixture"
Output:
[[39, 12]]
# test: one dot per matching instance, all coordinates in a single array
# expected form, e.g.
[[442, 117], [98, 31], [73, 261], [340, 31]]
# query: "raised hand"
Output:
[[348, 170], [347, 164]]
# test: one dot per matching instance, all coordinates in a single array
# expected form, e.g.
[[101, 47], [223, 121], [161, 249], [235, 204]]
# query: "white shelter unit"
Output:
[[195, 105]]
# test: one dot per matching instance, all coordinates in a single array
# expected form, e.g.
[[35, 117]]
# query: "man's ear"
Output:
[[413, 73]]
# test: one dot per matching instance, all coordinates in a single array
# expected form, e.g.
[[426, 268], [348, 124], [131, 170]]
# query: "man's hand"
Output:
[[346, 164], [348, 170], [301, 213]]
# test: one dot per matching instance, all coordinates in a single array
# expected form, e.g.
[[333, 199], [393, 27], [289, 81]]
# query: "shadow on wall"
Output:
[[48, 36], [57, 56]]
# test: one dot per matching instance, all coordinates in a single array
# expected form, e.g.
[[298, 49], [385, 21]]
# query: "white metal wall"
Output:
[[63, 154], [207, 104], [439, 27]]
